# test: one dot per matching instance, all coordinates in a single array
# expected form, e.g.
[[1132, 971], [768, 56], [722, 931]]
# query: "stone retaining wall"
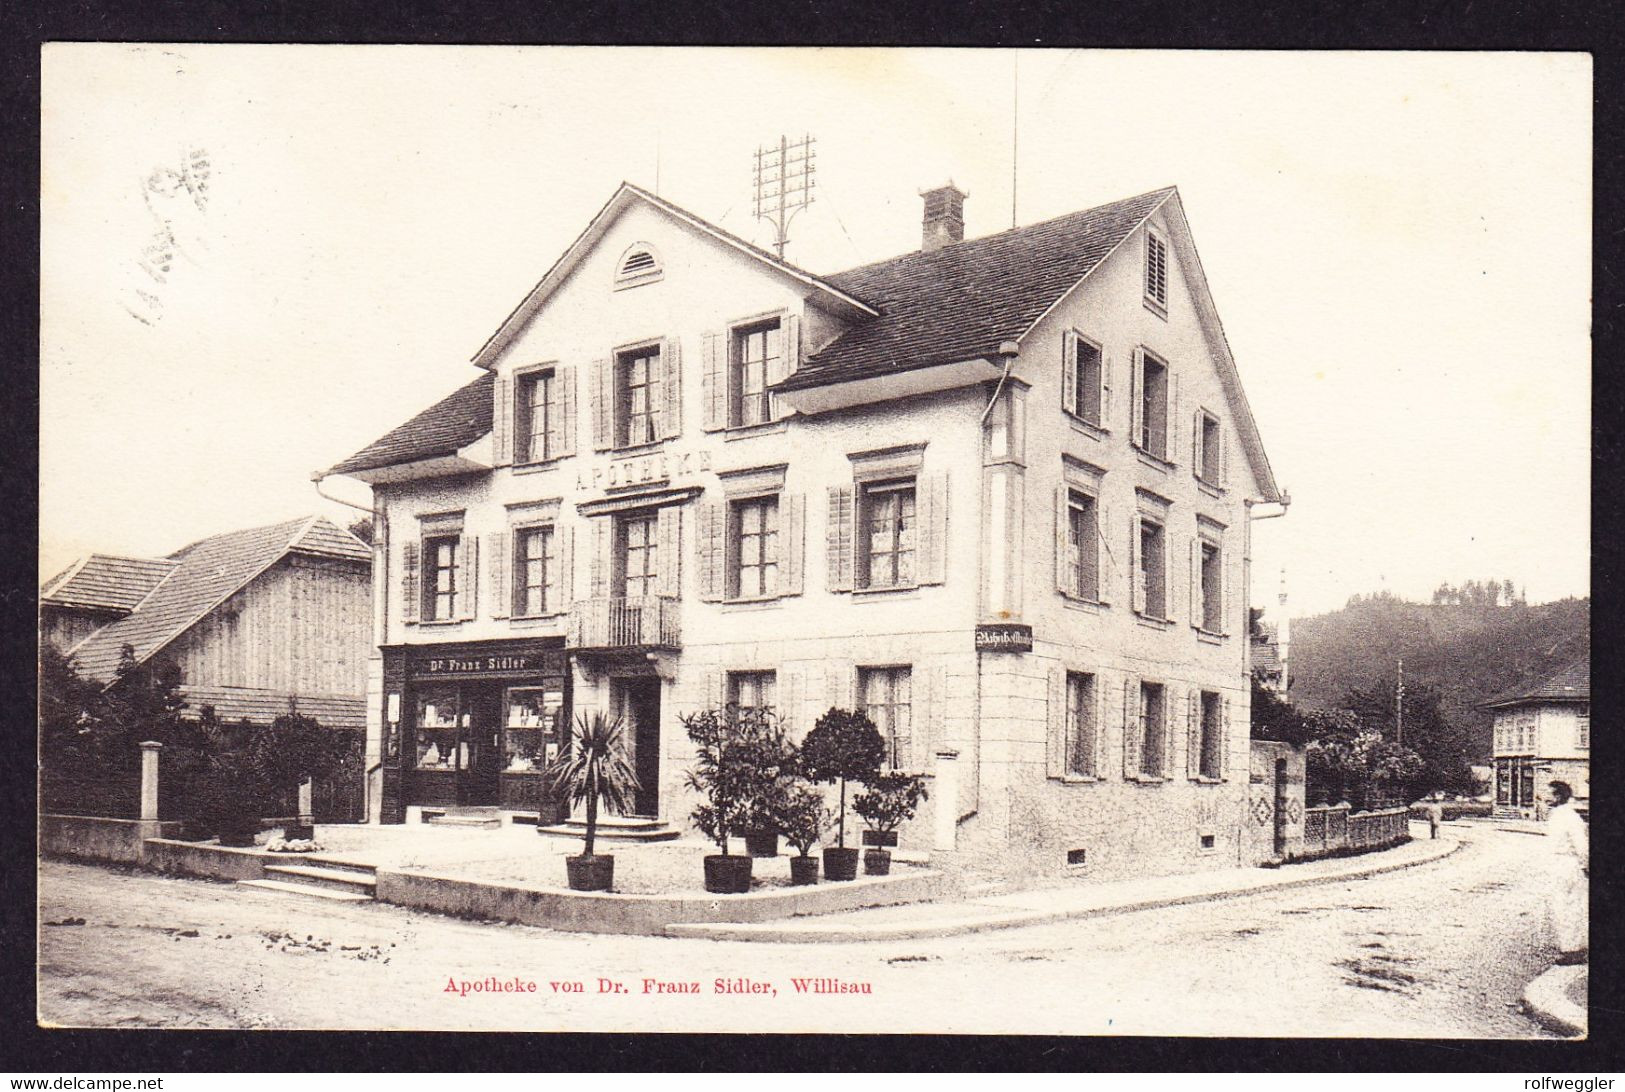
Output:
[[96, 838]]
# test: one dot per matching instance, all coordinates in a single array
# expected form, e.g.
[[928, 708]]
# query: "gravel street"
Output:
[[1441, 950]]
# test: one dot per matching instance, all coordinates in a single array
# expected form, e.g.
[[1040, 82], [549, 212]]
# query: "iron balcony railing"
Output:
[[649, 621]]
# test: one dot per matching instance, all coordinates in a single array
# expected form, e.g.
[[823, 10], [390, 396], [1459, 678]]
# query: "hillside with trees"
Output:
[[1467, 646]]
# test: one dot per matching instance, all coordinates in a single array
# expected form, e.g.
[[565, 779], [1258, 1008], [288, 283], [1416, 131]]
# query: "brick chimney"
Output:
[[944, 217]]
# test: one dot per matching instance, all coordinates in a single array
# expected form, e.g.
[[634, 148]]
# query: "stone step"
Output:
[[479, 822], [618, 830], [336, 863], [283, 888], [335, 879]]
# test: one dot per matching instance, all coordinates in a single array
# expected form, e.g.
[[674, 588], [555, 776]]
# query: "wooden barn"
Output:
[[254, 619]]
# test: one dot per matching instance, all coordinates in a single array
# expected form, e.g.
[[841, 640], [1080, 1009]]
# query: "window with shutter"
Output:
[[753, 692], [755, 353], [1083, 380], [535, 572], [1078, 544], [1151, 569], [1080, 725], [1208, 457], [639, 406], [1153, 730], [753, 548], [885, 697], [888, 535], [1211, 711], [441, 577], [537, 417], [1153, 414]]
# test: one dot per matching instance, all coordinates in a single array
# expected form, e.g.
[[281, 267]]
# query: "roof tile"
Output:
[[450, 424]]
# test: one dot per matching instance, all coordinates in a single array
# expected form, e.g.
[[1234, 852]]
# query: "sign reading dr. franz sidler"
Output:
[[489, 663], [1004, 637]]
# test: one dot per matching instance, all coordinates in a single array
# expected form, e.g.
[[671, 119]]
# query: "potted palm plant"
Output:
[[804, 820], [723, 777], [594, 771], [888, 800], [843, 746]]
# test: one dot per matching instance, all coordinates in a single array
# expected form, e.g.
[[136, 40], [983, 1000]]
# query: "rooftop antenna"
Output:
[[784, 184], [1015, 102]]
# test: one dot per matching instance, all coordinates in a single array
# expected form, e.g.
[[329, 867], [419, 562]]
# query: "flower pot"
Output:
[[762, 843], [595, 873], [882, 839], [840, 863], [803, 871], [727, 875], [876, 862]]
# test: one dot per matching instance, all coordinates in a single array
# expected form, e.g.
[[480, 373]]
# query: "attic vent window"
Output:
[[639, 265]]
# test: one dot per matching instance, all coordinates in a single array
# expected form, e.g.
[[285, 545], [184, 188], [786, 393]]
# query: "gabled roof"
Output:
[[623, 198], [1572, 683], [106, 582], [964, 300], [202, 576], [445, 428]]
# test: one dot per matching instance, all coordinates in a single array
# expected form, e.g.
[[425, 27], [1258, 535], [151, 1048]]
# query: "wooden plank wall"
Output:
[[304, 627]]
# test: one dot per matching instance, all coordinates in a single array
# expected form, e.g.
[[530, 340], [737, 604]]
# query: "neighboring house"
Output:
[[1543, 733], [1266, 658], [995, 493], [252, 618]]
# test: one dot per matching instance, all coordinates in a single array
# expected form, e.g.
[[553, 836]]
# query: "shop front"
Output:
[[473, 725]]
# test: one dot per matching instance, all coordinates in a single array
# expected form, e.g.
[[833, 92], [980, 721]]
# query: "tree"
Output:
[[1443, 746], [843, 746], [362, 529], [1275, 718], [1350, 761]]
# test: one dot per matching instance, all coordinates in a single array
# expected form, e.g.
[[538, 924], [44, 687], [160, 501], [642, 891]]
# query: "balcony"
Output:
[[644, 622]]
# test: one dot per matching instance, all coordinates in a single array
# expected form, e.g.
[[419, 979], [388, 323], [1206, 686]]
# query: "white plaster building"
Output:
[[995, 492], [1542, 734]]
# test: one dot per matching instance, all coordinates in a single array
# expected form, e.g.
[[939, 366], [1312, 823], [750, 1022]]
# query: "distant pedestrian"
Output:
[[1435, 817], [1570, 874]]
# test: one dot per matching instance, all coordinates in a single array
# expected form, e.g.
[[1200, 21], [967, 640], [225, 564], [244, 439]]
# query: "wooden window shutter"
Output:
[[1105, 388], [565, 379], [713, 381], [671, 388], [468, 579], [792, 543], [603, 405], [715, 694], [933, 517], [1170, 720], [1065, 579], [1100, 726], [1168, 569], [411, 558], [502, 421], [839, 537], [1069, 372], [1135, 578], [710, 549], [669, 533], [784, 366], [840, 685], [1055, 735], [1224, 738], [565, 536], [1132, 734], [1103, 521], [1136, 396], [1224, 591], [600, 555], [1193, 734], [1224, 455], [496, 571], [1170, 418]]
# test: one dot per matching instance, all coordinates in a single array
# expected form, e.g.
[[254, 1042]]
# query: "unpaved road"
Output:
[[1440, 950]]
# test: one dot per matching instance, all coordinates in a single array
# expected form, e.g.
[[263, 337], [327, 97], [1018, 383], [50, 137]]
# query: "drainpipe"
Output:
[[1009, 350]]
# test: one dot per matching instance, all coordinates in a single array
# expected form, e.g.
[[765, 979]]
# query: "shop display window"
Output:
[[438, 718], [532, 727]]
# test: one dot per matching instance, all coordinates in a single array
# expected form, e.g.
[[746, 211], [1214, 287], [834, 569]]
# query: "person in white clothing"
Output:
[[1571, 871]]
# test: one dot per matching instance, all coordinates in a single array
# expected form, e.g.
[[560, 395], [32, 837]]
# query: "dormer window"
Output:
[[638, 265]]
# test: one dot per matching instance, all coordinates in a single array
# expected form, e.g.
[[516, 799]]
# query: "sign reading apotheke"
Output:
[[659, 467], [1004, 637]]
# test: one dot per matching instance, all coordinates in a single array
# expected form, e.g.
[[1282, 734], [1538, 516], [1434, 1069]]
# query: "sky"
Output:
[[257, 259]]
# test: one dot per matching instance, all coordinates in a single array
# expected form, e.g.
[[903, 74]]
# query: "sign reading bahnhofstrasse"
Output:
[[1004, 637]]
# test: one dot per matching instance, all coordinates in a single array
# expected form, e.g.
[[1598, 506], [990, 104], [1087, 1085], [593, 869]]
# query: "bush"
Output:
[[1455, 809], [843, 746]]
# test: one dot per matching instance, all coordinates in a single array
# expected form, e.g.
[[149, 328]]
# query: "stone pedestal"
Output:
[[946, 811]]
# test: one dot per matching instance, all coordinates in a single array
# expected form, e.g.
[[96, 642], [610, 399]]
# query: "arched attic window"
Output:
[[639, 264]]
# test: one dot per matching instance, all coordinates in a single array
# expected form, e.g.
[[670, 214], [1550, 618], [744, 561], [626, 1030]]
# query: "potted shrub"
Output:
[[888, 800], [723, 778], [593, 771], [804, 820], [771, 772], [843, 746]]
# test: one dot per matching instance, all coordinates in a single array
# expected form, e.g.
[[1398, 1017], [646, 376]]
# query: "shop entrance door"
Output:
[[640, 706], [479, 780]]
